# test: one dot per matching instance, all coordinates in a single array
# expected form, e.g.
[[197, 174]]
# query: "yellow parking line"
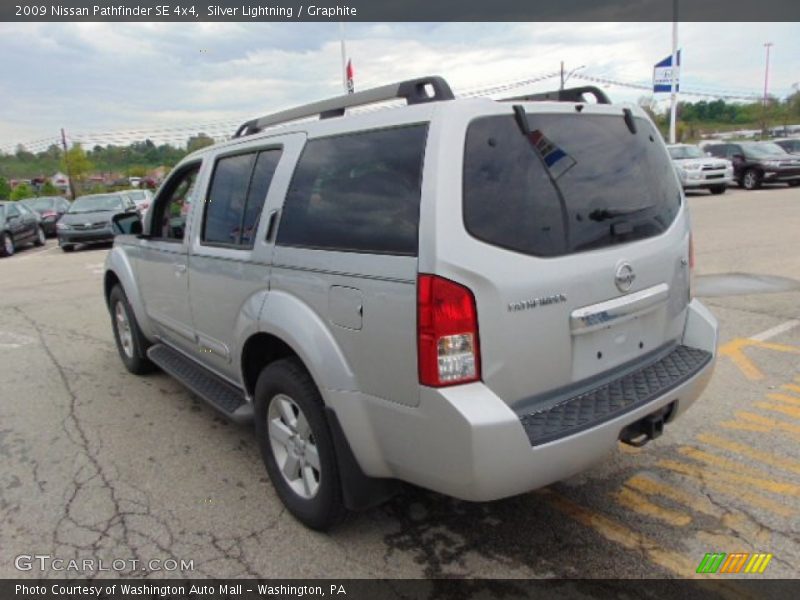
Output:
[[750, 452], [771, 423], [622, 535], [792, 387], [652, 487], [784, 398], [745, 426], [734, 471], [781, 408], [638, 503], [724, 482]]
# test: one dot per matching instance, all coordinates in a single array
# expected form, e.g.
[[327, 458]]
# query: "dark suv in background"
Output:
[[755, 163]]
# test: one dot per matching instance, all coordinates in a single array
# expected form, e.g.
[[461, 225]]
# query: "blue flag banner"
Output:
[[662, 75]]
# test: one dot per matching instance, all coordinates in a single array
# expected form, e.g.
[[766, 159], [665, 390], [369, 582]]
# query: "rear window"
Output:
[[357, 193], [578, 182]]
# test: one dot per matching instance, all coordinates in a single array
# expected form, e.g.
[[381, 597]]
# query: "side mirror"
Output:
[[127, 223]]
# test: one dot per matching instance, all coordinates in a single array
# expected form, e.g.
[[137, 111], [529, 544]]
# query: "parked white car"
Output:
[[697, 170]]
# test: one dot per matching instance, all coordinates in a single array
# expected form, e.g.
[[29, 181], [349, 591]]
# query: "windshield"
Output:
[[763, 150], [791, 145], [96, 203], [679, 152], [40, 203], [577, 182]]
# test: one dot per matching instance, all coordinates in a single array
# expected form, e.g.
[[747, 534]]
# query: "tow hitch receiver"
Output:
[[648, 428]]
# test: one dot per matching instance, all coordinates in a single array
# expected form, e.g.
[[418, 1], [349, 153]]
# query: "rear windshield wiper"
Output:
[[602, 214]]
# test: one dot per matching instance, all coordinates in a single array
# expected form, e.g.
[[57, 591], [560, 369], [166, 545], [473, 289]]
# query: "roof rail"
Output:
[[414, 91], [569, 95]]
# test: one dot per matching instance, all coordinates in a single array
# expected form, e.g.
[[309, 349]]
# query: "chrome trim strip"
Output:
[[598, 316]]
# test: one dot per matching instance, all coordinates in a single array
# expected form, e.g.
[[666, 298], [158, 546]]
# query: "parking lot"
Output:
[[98, 463]]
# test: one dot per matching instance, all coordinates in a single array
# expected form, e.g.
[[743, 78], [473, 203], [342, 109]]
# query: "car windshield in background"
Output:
[[763, 150], [790, 145], [136, 196], [95, 203], [40, 203], [679, 152], [577, 182]]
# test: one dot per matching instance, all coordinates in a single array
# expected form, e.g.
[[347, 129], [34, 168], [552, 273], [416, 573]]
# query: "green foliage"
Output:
[[22, 191], [48, 189], [76, 163], [5, 189], [196, 142]]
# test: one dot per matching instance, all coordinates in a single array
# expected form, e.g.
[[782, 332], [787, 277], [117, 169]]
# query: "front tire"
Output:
[[794, 183], [718, 189], [67, 247], [40, 237], [296, 444], [7, 247], [131, 343], [751, 180]]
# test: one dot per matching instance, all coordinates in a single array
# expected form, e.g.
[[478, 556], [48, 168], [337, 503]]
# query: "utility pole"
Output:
[[344, 57], [767, 45], [673, 79], [66, 164], [562, 75]]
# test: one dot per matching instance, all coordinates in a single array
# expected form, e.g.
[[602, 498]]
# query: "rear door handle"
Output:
[[271, 220]]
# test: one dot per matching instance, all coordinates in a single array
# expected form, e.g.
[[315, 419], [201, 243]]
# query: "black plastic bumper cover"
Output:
[[615, 398]]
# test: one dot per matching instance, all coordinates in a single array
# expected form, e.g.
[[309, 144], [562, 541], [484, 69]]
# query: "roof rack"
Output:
[[569, 95], [414, 91]]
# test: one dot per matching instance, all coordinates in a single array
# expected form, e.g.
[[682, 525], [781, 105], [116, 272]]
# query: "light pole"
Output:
[[767, 45]]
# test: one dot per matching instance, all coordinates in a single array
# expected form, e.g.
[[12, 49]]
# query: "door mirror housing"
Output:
[[127, 223]]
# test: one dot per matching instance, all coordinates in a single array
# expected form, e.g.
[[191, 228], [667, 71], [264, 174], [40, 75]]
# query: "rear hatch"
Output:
[[575, 248]]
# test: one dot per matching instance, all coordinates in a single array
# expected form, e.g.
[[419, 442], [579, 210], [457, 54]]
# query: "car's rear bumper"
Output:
[[466, 442]]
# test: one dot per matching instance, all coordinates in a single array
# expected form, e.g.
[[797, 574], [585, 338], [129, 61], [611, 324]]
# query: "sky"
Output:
[[119, 82]]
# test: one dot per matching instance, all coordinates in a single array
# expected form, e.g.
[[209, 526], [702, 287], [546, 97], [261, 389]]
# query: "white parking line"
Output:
[[775, 331]]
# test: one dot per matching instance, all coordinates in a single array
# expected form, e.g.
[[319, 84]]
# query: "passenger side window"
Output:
[[12, 211], [236, 198], [172, 205], [357, 193]]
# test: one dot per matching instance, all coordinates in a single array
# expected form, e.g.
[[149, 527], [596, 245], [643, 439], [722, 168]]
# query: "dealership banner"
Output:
[[662, 75]]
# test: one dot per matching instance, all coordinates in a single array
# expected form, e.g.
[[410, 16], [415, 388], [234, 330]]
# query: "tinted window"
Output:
[[357, 192], [578, 182], [12, 211], [236, 198]]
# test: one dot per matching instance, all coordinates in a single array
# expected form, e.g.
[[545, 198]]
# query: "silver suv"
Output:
[[478, 297]]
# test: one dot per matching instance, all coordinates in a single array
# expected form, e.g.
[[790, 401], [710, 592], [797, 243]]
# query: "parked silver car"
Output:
[[697, 170], [478, 297]]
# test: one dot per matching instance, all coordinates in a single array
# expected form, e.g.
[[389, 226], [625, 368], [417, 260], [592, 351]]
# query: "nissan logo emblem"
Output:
[[624, 277]]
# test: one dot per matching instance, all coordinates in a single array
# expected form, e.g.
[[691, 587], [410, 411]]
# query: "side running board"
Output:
[[220, 394]]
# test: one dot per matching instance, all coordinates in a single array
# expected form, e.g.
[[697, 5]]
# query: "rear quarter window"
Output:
[[358, 192], [578, 182]]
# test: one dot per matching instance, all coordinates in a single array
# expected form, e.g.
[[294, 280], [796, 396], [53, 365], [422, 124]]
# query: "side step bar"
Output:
[[220, 394]]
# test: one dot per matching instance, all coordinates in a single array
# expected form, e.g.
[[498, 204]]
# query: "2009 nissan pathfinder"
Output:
[[478, 297]]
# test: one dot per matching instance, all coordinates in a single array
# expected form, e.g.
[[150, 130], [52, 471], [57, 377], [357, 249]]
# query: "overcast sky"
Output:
[[114, 78]]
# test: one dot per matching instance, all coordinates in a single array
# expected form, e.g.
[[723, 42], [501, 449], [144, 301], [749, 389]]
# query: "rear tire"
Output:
[[67, 247], [131, 343], [296, 444], [718, 189], [40, 237], [751, 179], [7, 246]]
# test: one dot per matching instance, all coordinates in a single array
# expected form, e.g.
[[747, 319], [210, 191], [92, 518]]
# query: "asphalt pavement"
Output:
[[100, 464]]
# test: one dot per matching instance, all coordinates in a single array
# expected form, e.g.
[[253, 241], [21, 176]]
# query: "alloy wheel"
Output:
[[124, 329], [293, 446]]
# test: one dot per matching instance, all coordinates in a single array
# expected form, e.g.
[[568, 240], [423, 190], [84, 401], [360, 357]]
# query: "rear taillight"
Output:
[[447, 333]]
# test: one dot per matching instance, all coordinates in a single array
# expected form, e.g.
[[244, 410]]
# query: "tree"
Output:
[[22, 191], [5, 189], [76, 163], [201, 140], [48, 189]]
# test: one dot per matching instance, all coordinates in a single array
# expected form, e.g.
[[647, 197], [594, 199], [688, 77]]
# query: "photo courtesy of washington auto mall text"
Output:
[[398, 299]]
